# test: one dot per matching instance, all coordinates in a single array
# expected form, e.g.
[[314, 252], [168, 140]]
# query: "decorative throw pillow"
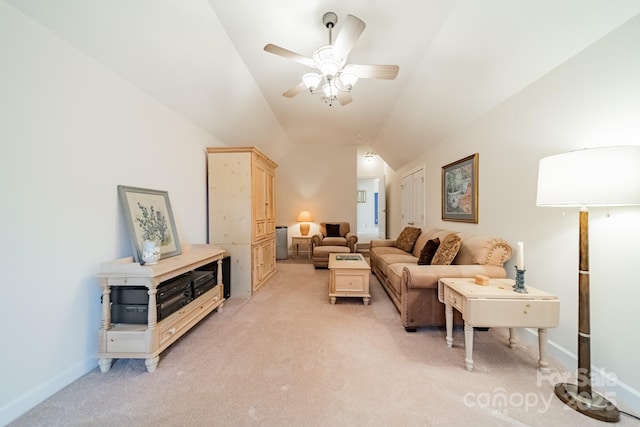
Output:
[[407, 238], [428, 251], [447, 250], [333, 230]]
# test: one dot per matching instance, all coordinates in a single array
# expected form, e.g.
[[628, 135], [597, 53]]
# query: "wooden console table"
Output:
[[147, 341], [498, 305]]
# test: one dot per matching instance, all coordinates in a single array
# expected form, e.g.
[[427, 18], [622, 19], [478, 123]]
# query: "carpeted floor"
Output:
[[286, 357]]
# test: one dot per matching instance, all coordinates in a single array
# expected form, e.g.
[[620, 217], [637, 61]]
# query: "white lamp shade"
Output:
[[311, 80], [330, 91], [348, 77], [608, 176], [329, 68]]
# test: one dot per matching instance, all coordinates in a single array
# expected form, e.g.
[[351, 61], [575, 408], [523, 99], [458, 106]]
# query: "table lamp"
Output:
[[304, 217], [608, 176]]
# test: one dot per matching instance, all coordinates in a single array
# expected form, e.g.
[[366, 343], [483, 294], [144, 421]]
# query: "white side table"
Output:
[[296, 241], [497, 305]]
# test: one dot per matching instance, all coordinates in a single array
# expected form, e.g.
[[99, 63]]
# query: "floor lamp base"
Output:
[[594, 406]]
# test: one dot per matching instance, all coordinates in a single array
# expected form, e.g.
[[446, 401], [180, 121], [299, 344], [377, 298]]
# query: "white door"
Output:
[[412, 194], [417, 200], [382, 208], [406, 187]]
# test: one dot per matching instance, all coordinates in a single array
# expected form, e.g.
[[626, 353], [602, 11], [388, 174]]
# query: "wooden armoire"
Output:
[[242, 213]]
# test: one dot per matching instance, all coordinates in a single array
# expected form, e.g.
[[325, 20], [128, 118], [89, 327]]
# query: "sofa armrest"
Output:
[[316, 240], [382, 242], [427, 276], [352, 239]]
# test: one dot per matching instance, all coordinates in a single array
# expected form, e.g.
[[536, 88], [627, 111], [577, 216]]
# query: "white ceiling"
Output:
[[205, 60]]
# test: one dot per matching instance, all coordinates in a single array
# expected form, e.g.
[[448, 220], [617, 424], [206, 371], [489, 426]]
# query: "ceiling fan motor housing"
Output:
[[329, 20]]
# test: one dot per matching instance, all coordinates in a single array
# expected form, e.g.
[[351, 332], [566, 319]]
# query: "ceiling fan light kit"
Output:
[[336, 79]]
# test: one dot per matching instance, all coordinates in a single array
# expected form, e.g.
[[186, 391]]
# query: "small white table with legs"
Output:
[[305, 241], [498, 305]]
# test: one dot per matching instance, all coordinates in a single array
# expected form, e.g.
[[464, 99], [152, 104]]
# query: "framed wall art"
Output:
[[148, 217], [460, 190]]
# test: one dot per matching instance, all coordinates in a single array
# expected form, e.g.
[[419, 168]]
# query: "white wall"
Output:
[[590, 101], [320, 179], [71, 132]]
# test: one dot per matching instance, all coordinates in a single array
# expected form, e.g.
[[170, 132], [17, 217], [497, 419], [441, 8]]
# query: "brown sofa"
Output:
[[413, 288]]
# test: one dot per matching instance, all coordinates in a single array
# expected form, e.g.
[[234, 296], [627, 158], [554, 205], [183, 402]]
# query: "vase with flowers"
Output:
[[155, 233]]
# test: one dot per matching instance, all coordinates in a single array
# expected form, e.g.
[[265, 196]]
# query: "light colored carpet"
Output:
[[286, 357]]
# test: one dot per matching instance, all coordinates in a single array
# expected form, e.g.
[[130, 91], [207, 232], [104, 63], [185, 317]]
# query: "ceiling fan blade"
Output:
[[344, 98], [385, 72], [348, 36], [286, 53], [300, 87]]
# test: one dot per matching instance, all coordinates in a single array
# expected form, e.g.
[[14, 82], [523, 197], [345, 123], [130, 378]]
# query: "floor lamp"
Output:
[[607, 176]]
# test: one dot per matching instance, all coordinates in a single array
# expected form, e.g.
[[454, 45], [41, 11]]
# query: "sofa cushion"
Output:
[[333, 230], [334, 241], [394, 258], [387, 260], [428, 251], [407, 238], [447, 250], [376, 253]]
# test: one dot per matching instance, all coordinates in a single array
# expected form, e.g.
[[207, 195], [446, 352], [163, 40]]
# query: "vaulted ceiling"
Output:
[[204, 59]]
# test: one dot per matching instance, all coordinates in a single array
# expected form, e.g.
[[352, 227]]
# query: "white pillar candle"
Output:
[[520, 256]]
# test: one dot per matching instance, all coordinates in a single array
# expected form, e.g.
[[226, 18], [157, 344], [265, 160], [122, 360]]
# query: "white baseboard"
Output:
[[603, 382], [14, 409]]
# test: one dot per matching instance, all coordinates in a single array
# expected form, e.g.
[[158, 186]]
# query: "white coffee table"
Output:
[[349, 277], [498, 305]]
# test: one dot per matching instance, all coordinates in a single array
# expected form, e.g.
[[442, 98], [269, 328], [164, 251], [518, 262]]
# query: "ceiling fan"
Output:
[[336, 77]]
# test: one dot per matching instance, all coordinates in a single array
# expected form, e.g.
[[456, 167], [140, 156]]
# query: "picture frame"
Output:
[[460, 190], [148, 216], [362, 196]]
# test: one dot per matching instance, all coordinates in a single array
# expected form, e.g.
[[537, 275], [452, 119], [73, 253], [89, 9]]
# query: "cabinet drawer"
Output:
[[126, 281], [179, 322], [513, 313], [172, 326], [214, 295], [126, 341], [346, 282], [454, 298]]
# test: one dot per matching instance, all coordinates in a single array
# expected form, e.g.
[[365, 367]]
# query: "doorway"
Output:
[[371, 210]]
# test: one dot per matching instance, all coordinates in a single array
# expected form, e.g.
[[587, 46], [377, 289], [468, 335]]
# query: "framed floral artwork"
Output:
[[149, 218], [460, 190]]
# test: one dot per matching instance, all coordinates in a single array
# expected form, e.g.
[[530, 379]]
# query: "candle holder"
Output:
[[519, 285]]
